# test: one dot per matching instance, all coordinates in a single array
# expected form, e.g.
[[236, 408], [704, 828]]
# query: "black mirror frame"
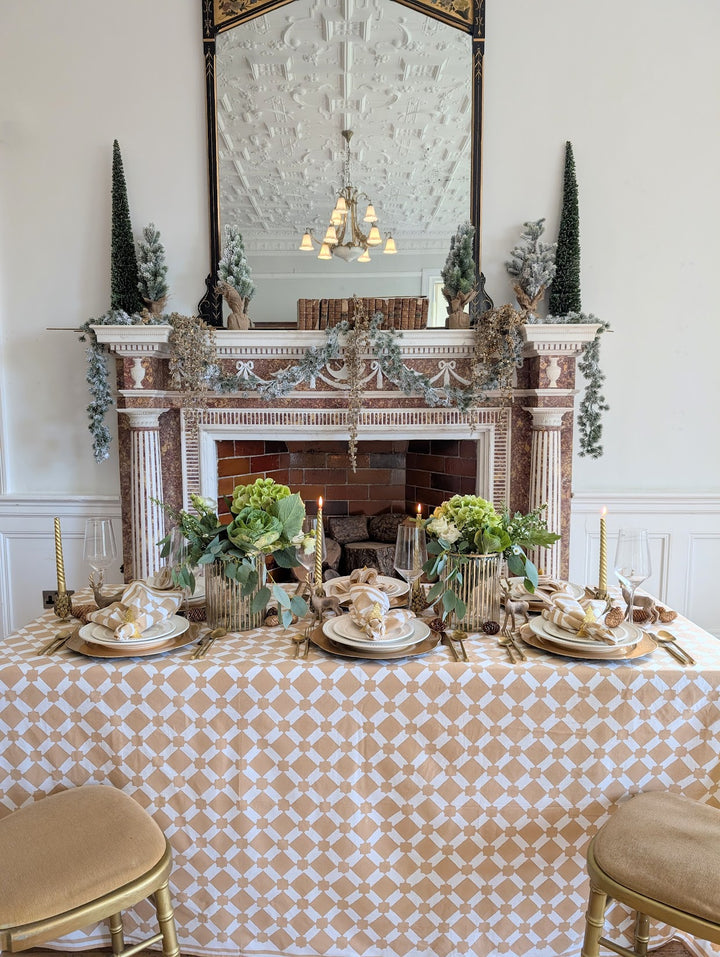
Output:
[[215, 22]]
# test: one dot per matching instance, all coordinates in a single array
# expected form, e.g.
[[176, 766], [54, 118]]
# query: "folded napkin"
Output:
[[340, 587], [370, 610], [570, 615], [163, 579], [140, 608]]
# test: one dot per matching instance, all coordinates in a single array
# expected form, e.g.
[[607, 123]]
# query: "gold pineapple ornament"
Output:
[[418, 601]]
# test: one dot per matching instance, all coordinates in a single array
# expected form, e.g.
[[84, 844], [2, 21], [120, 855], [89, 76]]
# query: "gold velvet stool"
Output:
[[660, 854], [78, 857]]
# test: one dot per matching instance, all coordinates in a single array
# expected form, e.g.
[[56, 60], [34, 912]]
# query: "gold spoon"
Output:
[[665, 638]]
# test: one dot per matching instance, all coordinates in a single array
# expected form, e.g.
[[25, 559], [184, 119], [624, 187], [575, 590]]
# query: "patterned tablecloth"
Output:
[[343, 808]]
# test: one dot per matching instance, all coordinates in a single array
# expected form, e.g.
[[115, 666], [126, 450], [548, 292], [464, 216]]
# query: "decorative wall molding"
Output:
[[27, 549], [684, 533]]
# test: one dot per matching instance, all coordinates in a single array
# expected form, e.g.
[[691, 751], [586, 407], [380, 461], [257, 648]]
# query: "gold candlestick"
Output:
[[602, 577], [318, 548], [62, 605]]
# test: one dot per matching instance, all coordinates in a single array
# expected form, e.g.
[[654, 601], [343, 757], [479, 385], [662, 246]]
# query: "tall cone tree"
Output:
[[565, 289], [124, 292]]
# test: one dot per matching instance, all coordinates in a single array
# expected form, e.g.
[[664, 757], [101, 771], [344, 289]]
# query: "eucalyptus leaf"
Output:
[[434, 593], [286, 557], [291, 512], [260, 599], [282, 596], [298, 606]]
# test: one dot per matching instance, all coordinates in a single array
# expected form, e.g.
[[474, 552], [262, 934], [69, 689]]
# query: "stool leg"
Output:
[[642, 934], [594, 921], [116, 934], [166, 920]]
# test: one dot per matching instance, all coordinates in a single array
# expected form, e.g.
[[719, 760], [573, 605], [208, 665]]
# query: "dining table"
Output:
[[329, 806]]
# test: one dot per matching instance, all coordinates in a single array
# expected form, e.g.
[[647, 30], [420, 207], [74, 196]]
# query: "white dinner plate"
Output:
[[519, 592], [171, 627], [393, 587], [420, 632], [346, 627], [629, 635]]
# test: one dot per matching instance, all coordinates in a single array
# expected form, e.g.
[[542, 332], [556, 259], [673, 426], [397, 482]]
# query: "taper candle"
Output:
[[318, 547], [602, 583], [59, 557], [418, 520]]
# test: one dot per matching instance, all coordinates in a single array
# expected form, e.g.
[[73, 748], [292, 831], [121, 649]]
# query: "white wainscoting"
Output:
[[27, 549], [684, 533]]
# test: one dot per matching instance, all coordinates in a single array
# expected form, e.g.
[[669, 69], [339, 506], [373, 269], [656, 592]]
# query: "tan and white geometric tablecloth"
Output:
[[342, 808]]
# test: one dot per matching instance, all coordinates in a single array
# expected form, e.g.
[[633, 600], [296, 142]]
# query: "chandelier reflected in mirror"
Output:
[[344, 236]]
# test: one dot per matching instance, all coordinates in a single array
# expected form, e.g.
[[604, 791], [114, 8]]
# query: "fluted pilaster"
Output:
[[147, 523], [546, 479]]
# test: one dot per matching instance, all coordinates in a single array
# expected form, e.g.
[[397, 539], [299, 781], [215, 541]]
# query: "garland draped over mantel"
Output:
[[498, 344]]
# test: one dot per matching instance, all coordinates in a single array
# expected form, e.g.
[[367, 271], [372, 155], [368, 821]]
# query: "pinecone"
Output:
[[272, 618], [436, 624], [614, 616], [666, 615], [491, 627], [640, 615]]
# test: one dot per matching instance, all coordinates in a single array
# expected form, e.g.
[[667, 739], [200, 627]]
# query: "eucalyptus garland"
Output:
[[97, 376], [593, 403]]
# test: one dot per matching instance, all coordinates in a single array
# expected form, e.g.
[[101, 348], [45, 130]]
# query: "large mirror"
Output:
[[284, 83]]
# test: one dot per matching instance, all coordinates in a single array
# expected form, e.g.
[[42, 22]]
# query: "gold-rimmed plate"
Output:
[[423, 647], [122, 650], [644, 647]]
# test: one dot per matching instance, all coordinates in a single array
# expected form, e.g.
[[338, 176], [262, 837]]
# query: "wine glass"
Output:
[[178, 562], [632, 562], [307, 559], [99, 547], [410, 553]]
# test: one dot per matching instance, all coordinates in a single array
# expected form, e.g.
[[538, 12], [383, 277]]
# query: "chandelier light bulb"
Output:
[[390, 246], [324, 252], [370, 214], [341, 205], [306, 244], [330, 236], [365, 258], [374, 237], [337, 217]]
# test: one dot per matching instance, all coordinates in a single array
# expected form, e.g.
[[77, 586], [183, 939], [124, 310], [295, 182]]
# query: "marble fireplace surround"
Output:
[[524, 445]]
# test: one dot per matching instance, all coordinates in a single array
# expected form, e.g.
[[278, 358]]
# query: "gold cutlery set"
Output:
[[58, 641], [207, 642]]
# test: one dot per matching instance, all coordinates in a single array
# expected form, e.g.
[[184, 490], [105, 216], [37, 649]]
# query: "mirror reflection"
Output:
[[288, 84]]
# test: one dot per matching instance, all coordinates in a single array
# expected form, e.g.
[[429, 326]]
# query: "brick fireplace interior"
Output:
[[391, 476]]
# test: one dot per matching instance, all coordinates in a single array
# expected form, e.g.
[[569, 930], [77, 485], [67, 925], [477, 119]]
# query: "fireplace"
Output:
[[514, 450], [389, 476]]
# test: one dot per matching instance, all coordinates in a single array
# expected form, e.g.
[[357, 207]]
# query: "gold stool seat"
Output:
[[659, 854], [77, 857]]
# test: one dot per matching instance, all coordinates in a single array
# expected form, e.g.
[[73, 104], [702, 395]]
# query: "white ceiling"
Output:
[[290, 81]]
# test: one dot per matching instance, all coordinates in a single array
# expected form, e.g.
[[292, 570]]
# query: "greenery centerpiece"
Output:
[[267, 520], [466, 528]]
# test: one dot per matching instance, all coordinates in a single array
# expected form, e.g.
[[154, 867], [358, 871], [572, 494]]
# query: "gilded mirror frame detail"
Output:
[[221, 15]]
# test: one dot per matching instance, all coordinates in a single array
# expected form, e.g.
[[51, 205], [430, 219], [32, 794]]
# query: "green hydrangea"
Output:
[[261, 494]]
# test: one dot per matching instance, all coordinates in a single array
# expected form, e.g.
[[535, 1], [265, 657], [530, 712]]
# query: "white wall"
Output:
[[635, 86]]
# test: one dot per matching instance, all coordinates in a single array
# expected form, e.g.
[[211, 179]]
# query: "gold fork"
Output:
[[207, 642]]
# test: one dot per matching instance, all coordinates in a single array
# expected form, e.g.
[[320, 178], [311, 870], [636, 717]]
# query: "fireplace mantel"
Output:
[[524, 440]]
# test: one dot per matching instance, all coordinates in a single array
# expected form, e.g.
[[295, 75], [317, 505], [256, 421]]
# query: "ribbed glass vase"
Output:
[[226, 606], [479, 588]]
